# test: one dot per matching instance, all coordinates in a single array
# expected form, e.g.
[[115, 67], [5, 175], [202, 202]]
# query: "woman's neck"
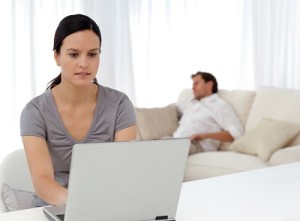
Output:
[[75, 95]]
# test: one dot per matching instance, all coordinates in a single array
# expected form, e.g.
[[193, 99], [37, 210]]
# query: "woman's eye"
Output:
[[73, 55], [93, 54]]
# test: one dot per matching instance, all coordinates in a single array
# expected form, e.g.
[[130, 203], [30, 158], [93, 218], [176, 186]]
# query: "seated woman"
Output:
[[73, 109]]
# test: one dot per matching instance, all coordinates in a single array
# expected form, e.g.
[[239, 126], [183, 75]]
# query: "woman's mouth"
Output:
[[83, 74]]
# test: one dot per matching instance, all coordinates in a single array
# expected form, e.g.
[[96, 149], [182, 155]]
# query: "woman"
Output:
[[73, 109]]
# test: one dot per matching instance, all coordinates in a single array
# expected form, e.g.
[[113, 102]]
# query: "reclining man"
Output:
[[207, 119]]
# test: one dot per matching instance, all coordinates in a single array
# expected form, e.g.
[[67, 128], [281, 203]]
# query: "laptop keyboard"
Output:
[[61, 216]]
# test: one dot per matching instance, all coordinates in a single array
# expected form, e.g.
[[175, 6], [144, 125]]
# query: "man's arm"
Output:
[[223, 136]]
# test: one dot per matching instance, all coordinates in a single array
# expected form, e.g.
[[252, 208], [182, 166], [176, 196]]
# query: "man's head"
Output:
[[204, 84]]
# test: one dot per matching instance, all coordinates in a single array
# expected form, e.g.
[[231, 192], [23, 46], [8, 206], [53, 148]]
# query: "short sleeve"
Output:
[[126, 114], [32, 122]]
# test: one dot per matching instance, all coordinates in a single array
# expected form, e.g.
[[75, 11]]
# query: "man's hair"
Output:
[[208, 77]]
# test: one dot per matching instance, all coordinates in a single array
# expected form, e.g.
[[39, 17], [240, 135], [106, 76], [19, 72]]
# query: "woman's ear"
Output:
[[57, 58]]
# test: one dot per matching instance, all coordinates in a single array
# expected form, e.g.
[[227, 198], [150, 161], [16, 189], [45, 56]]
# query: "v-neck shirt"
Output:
[[114, 111]]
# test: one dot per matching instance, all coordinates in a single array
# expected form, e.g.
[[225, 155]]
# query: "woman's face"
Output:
[[79, 58]]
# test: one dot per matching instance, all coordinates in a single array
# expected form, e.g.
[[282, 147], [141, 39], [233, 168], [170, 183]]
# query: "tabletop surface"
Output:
[[271, 194]]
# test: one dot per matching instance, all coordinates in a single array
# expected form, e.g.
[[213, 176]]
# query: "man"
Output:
[[207, 119]]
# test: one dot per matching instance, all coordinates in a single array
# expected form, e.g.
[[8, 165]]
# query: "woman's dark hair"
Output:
[[208, 77], [68, 26]]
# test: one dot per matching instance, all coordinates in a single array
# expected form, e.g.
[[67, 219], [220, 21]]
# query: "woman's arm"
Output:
[[42, 173], [126, 134]]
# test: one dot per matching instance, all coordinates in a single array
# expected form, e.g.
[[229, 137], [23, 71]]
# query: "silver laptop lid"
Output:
[[134, 181]]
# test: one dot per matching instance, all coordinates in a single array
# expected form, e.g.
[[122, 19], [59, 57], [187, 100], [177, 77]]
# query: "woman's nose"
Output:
[[83, 62]]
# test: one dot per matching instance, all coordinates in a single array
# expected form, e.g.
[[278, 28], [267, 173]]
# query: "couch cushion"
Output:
[[267, 137], [285, 155], [156, 123], [210, 164]]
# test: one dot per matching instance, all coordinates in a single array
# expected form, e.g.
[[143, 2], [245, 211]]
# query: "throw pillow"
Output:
[[267, 137], [156, 123], [16, 199]]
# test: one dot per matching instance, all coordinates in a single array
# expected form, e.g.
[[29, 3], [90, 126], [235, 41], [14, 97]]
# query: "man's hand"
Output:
[[197, 137]]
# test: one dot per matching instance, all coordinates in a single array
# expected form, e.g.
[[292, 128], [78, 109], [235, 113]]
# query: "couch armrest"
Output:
[[285, 155], [14, 171], [2, 207]]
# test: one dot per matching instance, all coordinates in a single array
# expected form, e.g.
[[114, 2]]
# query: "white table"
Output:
[[271, 194]]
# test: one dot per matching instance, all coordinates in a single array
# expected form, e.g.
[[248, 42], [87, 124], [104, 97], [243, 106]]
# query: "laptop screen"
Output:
[[138, 180]]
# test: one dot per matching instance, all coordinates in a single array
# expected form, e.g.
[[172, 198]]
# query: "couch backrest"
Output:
[[278, 104], [240, 100]]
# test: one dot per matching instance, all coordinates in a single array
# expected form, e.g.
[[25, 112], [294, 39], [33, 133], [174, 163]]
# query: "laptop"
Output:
[[124, 181]]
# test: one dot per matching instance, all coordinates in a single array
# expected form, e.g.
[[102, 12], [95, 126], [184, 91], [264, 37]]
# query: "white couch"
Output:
[[271, 117]]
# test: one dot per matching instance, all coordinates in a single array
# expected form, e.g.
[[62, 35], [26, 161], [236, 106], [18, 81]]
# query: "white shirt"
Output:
[[208, 115]]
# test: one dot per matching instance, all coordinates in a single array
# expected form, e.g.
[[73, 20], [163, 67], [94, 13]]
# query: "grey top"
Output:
[[114, 111]]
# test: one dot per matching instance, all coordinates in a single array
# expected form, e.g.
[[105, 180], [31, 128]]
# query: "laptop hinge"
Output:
[[164, 218]]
